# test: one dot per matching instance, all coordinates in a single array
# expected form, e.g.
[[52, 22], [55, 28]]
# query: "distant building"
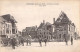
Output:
[[63, 28], [45, 30], [32, 31]]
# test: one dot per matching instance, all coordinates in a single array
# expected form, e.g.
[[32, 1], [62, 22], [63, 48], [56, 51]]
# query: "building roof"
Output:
[[8, 17], [2, 19], [62, 19], [33, 28], [47, 23], [43, 25]]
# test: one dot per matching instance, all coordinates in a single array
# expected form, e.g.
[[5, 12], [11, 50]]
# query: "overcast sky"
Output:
[[27, 14]]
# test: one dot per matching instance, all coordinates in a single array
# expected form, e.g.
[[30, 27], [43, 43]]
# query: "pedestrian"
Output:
[[40, 42], [71, 40], [17, 42], [13, 42], [9, 42], [45, 40], [27, 41], [66, 41], [22, 41], [19, 39]]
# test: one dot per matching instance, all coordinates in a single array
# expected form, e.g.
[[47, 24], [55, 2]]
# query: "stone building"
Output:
[[63, 28], [45, 30], [32, 31], [2, 28], [8, 26]]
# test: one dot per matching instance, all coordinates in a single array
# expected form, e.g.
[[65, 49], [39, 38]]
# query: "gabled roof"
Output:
[[8, 18], [62, 18], [41, 25], [33, 28], [47, 23], [2, 19]]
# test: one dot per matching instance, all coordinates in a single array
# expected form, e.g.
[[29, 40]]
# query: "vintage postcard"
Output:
[[39, 25]]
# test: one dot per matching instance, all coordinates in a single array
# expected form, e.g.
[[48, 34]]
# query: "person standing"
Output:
[[22, 41], [13, 42], [71, 40], [66, 41], [40, 42], [45, 40], [29, 40]]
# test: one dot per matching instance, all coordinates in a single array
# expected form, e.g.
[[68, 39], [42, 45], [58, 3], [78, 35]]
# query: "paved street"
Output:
[[51, 47]]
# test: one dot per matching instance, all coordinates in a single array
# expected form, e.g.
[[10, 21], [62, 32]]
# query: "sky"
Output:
[[33, 13]]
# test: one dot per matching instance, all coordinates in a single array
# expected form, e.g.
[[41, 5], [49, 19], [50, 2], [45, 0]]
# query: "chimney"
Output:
[[36, 26], [53, 20], [43, 21]]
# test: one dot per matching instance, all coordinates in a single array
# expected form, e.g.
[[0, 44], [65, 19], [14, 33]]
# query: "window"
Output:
[[69, 27], [40, 32], [39, 36], [42, 35], [44, 32], [47, 37], [13, 31], [10, 31], [64, 35], [16, 31], [60, 36], [0, 32], [8, 25], [7, 30], [64, 28]]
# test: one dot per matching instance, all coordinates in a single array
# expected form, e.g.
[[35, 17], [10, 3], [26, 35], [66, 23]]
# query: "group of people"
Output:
[[20, 41], [16, 41], [40, 41], [27, 41], [71, 40]]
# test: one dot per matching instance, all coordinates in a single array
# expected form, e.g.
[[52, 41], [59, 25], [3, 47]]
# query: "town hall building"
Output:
[[63, 28]]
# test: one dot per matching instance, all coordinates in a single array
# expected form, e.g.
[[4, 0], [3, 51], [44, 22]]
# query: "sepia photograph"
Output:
[[39, 25]]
